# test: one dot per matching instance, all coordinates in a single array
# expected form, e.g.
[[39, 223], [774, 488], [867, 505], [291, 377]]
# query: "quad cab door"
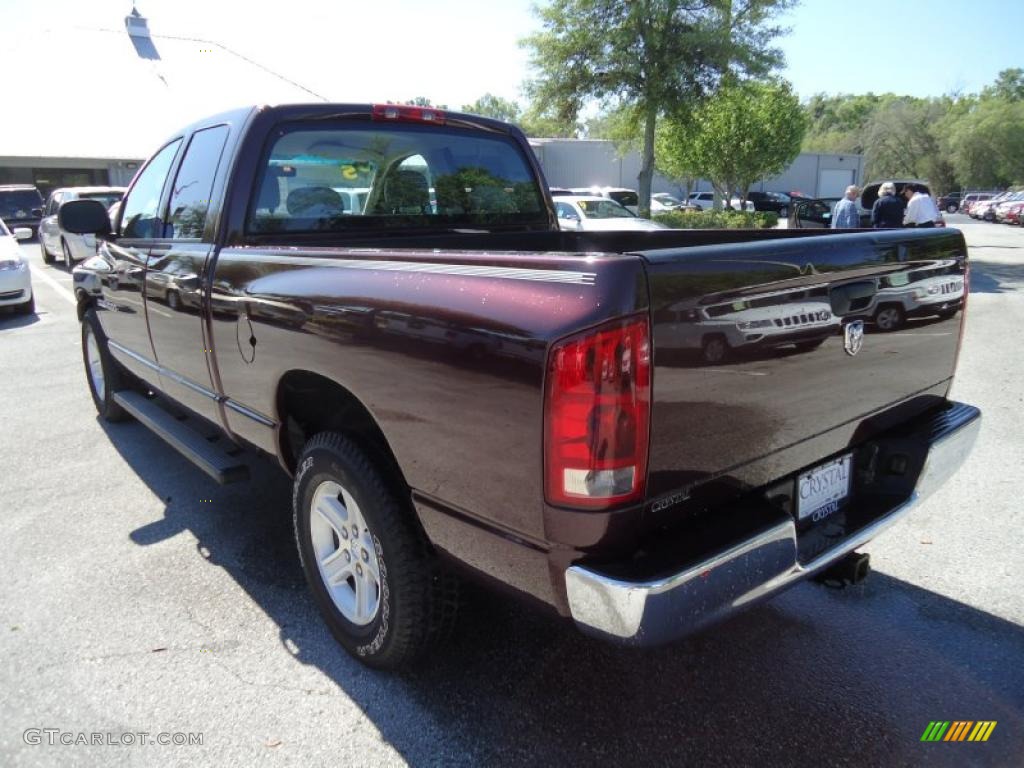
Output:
[[175, 276], [121, 276]]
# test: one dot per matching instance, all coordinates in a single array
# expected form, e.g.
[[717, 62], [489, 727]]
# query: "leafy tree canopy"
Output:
[[746, 131], [646, 57], [495, 107], [971, 141]]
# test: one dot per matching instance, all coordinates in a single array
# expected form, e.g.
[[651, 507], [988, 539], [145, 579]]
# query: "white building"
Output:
[[596, 163]]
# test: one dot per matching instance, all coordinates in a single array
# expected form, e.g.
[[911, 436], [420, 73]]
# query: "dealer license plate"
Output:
[[821, 491]]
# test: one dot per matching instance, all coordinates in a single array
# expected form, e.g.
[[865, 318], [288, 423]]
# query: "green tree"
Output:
[[1009, 86], [496, 107], [540, 123], [420, 101], [746, 131], [986, 145], [902, 140], [646, 57]]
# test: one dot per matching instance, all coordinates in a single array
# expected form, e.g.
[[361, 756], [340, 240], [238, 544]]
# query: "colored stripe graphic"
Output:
[[958, 730]]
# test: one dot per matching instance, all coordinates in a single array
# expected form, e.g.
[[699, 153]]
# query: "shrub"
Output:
[[718, 219]]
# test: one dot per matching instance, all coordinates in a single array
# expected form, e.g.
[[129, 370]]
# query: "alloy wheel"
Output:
[[888, 319], [346, 553]]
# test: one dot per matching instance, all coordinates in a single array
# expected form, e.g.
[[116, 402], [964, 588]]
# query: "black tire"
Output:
[[69, 262], [47, 257], [28, 308], [417, 601], [784, 212], [113, 378], [715, 349], [890, 317], [173, 301], [952, 208]]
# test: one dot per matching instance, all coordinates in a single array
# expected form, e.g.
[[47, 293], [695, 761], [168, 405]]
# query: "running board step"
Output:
[[189, 443]]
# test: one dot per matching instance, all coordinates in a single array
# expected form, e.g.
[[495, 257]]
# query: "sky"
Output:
[[453, 51]]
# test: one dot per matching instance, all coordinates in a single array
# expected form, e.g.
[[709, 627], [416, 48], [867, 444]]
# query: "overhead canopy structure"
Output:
[[119, 92]]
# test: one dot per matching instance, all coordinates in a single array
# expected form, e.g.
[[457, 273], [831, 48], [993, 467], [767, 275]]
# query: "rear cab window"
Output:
[[356, 177]]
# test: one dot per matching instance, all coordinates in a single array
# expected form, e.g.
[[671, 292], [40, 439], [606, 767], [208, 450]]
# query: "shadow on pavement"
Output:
[[990, 277], [10, 319], [814, 677]]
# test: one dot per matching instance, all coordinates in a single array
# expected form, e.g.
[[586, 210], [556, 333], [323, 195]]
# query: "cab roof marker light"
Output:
[[403, 113]]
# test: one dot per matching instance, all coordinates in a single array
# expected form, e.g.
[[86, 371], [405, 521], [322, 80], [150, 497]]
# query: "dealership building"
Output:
[[595, 163]]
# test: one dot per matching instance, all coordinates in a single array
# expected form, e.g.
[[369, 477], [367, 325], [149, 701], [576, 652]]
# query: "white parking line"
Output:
[[734, 372], [64, 292]]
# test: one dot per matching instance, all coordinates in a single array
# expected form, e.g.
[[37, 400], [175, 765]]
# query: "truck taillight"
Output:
[[597, 410]]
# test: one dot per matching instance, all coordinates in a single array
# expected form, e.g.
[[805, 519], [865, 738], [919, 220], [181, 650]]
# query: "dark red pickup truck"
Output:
[[644, 431]]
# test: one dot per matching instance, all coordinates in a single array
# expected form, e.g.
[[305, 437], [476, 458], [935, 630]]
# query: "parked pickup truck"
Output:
[[457, 387]]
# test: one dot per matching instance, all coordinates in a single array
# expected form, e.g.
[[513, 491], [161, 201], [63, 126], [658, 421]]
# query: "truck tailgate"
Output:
[[756, 375]]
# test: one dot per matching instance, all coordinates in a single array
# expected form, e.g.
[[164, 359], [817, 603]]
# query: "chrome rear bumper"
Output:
[[653, 612]]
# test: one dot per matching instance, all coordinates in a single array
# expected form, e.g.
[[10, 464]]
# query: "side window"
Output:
[[190, 196], [566, 211], [52, 205], [140, 210]]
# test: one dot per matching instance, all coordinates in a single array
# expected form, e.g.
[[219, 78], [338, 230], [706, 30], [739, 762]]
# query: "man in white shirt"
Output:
[[921, 209]]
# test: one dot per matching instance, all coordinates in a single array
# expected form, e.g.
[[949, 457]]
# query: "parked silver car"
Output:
[[71, 247]]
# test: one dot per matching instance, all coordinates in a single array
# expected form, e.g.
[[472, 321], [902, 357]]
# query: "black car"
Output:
[[950, 202], [21, 205], [779, 202], [812, 213]]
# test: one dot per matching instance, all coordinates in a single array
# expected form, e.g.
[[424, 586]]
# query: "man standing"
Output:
[[887, 212], [921, 209], [846, 215]]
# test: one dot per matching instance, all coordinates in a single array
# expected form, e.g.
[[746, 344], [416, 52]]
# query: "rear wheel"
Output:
[[784, 212], [889, 318], [952, 208], [66, 251], [101, 370], [47, 258], [378, 586]]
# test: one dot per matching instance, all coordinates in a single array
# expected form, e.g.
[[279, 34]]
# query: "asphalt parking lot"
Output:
[[136, 595]]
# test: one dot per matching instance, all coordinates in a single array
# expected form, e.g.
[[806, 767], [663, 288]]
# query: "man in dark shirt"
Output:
[[887, 212]]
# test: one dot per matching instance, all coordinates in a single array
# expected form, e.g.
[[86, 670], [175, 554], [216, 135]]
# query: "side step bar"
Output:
[[192, 445]]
